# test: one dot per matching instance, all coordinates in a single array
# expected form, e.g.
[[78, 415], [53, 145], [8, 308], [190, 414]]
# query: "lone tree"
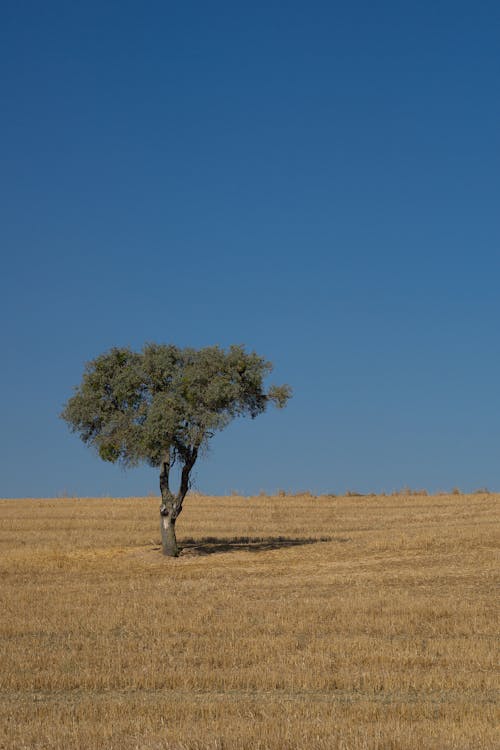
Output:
[[162, 405]]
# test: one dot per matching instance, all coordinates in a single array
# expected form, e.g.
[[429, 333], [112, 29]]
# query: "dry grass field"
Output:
[[342, 623]]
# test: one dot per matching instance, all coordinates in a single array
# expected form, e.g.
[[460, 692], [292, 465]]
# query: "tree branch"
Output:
[[189, 462], [164, 483]]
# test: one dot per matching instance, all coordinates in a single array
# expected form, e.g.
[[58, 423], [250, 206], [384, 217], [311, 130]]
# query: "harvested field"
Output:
[[288, 622]]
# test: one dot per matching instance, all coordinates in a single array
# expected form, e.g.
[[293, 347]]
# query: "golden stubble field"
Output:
[[288, 622]]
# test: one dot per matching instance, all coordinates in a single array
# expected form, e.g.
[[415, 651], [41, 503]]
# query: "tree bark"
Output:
[[171, 505], [168, 513], [168, 538]]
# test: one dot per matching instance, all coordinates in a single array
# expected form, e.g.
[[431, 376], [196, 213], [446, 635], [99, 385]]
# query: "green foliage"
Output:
[[165, 401]]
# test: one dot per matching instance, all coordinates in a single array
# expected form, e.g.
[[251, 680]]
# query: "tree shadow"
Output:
[[212, 545]]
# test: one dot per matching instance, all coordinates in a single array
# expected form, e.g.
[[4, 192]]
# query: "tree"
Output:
[[162, 405]]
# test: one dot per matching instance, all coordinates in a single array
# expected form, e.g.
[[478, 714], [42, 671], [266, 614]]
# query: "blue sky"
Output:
[[319, 181]]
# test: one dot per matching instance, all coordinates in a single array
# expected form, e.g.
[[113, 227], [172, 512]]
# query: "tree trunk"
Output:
[[171, 505], [168, 540], [168, 513]]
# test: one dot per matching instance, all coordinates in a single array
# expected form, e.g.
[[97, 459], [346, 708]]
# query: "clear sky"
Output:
[[316, 180]]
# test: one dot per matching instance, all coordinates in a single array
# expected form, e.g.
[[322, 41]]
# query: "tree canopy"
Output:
[[137, 406]]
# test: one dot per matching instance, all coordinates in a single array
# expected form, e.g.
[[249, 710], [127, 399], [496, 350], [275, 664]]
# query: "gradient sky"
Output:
[[316, 180]]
